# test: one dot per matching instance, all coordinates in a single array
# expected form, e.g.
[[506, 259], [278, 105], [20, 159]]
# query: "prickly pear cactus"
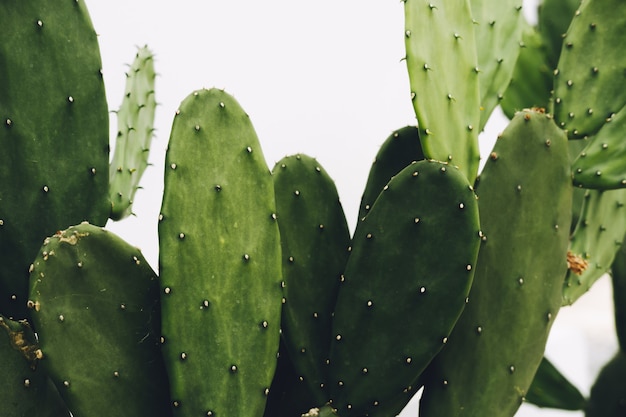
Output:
[[25, 389], [220, 261], [53, 134], [315, 239], [135, 124], [498, 343], [95, 308], [595, 241], [443, 71], [400, 295], [399, 149], [608, 393]]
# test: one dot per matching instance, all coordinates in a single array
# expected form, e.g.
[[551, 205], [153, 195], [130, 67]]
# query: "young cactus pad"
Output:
[[95, 303], [315, 239], [498, 343], [135, 124], [220, 261], [405, 284], [443, 72], [53, 134]]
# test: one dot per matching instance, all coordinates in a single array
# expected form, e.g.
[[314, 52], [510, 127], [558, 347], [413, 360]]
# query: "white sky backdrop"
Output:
[[322, 77]]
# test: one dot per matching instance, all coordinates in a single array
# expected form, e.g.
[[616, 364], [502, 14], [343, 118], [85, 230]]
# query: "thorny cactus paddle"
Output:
[[315, 239], [135, 124], [443, 72], [95, 308], [400, 296], [53, 134], [220, 261], [397, 152], [498, 343]]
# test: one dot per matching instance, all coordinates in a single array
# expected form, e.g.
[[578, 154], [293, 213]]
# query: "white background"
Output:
[[322, 77]]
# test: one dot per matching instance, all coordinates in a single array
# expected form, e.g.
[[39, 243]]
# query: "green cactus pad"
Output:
[[602, 164], [220, 261], [618, 278], [531, 82], [589, 72], [135, 124], [498, 32], [443, 72], [95, 303], [553, 20], [498, 343], [25, 389], [608, 392], [404, 286], [399, 149], [53, 134], [596, 240], [315, 239], [551, 389]]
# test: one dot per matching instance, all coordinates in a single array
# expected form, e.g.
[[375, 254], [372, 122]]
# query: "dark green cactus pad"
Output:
[[399, 149], [589, 72], [498, 31], [553, 20], [618, 278], [595, 241], [443, 71], [531, 82], [551, 389], [498, 343], [404, 286], [53, 134], [95, 303], [220, 261], [315, 239], [289, 394], [608, 393], [135, 124], [25, 389]]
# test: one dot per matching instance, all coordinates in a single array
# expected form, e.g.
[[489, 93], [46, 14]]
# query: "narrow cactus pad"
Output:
[[399, 149], [443, 72], [53, 134], [315, 239], [595, 241], [586, 86], [25, 389], [618, 277], [498, 343], [95, 304], [220, 261], [551, 389], [135, 129], [608, 393], [498, 33], [404, 286]]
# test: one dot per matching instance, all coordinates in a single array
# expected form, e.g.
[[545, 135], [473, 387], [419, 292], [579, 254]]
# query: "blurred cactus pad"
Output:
[[263, 304]]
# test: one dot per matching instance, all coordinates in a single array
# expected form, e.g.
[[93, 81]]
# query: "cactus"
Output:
[[553, 390], [595, 241], [444, 75], [500, 337], [608, 393], [220, 261], [25, 389], [135, 124], [395, 307], [54, 134], [95, 307], [498, 32], [399, 149], [315, 240]]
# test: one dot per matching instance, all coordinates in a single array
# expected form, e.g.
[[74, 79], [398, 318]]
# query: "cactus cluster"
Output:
[[263, 304]]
